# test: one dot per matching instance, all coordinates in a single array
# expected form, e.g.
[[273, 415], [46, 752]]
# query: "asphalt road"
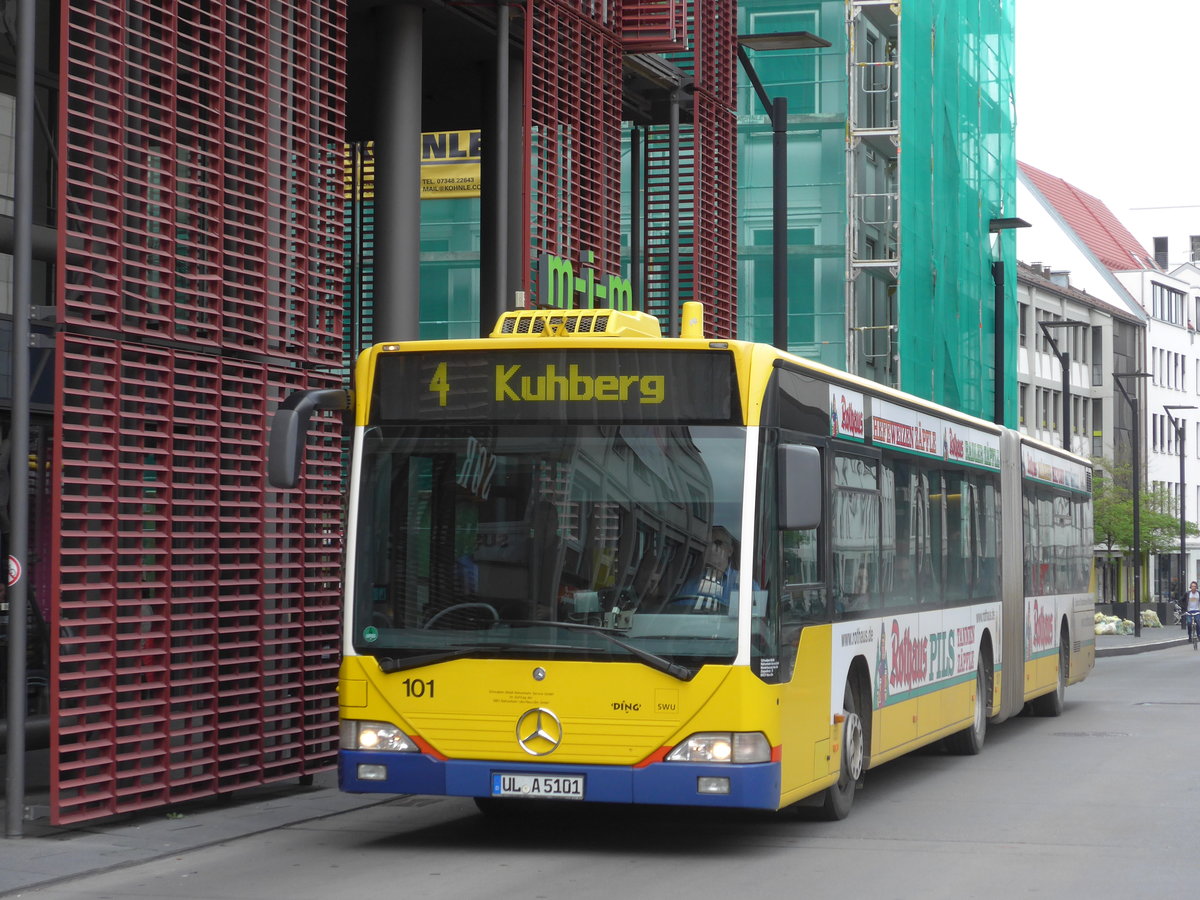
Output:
[[1100, 802]]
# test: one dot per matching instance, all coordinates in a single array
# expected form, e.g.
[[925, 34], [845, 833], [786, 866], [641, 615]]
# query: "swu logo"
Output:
[[511, 385]]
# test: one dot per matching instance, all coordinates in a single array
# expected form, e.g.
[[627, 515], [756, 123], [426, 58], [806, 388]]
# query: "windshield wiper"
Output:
[[389, 664], [683, 673]]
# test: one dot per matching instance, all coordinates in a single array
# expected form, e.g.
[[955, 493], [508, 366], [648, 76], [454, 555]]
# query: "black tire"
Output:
[[837, 800], [969, 741], [1051, 704]]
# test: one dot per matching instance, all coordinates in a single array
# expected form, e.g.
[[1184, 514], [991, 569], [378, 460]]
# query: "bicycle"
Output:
[[1193, 626]]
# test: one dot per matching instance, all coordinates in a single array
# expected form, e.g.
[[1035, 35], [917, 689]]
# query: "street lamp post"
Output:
[[1064, 360], [1180, 432], [1137, 504], [998, 226], [776, 110]]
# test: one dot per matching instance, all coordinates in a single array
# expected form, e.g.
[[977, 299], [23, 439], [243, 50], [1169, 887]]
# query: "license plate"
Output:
[[552, 787]]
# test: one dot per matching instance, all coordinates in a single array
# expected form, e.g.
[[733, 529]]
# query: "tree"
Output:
[[1112, 512], [1112, 506]]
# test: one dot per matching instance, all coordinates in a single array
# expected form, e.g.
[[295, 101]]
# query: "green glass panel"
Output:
[[814, 83]]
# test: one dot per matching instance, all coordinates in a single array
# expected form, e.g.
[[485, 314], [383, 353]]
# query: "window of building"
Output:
[[1195, 248], [1160, 251], [8, 126], [1166, 303]]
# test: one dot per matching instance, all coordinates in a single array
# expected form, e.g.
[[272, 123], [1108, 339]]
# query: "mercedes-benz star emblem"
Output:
[[539, 732]]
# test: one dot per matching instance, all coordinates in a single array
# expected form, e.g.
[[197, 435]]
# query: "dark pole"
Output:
[[779, 219], [397, 307], [1137, 502], [673, 218], [1182, 513], [1065, 359], [635, 216], [501, 298], [998, 226], [999, 395], [777, 112], [1137, 517], [1181, 435], [18, 546]]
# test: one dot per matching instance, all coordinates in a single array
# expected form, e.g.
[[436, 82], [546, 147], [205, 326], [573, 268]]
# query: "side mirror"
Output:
[[285, 448], [800, 483]]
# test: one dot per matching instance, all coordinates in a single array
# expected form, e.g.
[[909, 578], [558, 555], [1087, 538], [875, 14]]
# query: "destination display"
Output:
[[575, 385]]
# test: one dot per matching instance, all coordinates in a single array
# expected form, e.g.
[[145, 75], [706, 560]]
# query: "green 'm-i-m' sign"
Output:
[[559, 286]]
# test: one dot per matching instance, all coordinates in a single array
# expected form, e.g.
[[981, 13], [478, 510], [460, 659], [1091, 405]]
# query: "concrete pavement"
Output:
[[46, 854]]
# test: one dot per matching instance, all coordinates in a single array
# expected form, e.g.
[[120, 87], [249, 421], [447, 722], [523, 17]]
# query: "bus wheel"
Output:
[[839, 798], [969, 741], [1051, 704]]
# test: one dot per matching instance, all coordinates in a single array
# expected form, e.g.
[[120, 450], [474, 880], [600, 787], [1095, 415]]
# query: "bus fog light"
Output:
[[371, 772], [708, 784]]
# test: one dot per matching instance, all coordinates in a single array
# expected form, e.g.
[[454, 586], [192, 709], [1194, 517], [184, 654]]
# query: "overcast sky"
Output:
[[1108, 97]]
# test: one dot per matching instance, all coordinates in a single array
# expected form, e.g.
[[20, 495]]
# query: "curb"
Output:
[[1130, 649]]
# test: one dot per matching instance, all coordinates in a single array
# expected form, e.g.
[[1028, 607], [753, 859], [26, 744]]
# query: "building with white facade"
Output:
[[1058, 322], [1094, 338], [1074, 232]]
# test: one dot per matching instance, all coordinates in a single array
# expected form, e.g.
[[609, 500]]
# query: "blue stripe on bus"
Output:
[[751, 786]]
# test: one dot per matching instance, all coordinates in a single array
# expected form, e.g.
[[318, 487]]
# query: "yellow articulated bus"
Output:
[[587, 562]]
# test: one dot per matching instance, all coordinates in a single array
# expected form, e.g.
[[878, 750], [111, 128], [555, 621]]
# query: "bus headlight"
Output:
[[722, 747], [361, 735]]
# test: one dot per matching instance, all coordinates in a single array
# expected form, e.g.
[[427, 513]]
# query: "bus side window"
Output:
[[803, 600], [802, 594], [900, 539], [855, 534], [930, 536]]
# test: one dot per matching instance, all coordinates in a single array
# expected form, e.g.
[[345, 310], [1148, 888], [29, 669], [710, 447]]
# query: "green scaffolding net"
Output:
[[958, 174], [891, 262]]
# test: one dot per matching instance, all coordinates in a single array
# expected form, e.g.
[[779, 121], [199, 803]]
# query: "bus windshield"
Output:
[[511, 540]]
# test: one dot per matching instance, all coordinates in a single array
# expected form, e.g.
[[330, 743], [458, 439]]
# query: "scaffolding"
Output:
[[900, 148], [873, 189]]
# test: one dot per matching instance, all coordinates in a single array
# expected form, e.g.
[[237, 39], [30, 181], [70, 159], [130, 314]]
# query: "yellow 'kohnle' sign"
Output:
[[449, 164]]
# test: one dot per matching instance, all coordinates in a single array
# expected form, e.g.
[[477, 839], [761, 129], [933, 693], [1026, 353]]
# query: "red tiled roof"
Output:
[[1107, 239]]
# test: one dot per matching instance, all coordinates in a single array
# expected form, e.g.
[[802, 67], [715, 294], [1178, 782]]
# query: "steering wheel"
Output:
[[461, 606]]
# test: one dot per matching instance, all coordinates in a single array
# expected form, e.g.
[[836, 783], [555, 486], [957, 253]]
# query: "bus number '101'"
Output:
[[415, 687]]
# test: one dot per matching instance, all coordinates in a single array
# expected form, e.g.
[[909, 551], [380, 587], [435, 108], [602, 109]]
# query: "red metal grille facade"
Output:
[[654, 25], [573, 125], [707, 179], [195, 613], [573, 111], [714, 172]]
